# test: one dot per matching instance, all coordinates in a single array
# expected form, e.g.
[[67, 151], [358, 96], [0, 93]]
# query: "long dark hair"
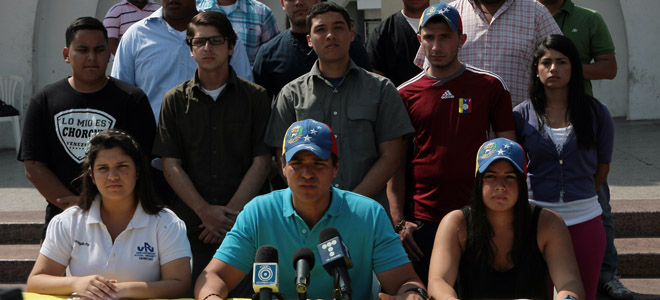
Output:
[[581, 107], [109, 139], [481, 232]]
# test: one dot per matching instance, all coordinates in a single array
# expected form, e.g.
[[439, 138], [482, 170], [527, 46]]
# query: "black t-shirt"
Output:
[[301, 41], [392, 47], [59, 121]]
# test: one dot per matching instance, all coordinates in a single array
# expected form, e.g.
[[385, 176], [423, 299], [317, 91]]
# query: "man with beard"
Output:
[[501, 37], [452, 107]]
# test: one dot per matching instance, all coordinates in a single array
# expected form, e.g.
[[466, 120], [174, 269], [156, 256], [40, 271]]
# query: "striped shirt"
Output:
[[123, 14], [506, 45], [253, 22]]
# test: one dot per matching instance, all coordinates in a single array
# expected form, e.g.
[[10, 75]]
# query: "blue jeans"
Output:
[[611, 260]]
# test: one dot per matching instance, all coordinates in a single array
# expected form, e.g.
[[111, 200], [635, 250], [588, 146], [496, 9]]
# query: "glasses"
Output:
[[201, 41]]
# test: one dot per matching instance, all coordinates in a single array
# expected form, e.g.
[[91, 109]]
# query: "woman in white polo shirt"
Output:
[[119, 242]]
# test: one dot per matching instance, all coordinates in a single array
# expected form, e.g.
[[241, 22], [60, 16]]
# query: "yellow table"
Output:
[[35, 296]]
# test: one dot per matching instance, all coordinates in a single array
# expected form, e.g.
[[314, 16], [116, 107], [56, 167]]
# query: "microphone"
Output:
[[303, 262], [336, 260], [264, 269]]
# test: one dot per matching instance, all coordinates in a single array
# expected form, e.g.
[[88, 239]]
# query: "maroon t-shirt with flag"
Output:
[[452, 117]]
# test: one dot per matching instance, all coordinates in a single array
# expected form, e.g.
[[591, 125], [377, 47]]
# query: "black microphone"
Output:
[[264, 269], [303, 262], [336, 260]]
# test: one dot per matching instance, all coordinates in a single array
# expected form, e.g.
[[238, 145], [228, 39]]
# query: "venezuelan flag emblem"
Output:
[[464, 105]]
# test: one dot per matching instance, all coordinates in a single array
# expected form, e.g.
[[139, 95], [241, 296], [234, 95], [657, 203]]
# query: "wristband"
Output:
[[418, 290], [400, 226], [209, 295]]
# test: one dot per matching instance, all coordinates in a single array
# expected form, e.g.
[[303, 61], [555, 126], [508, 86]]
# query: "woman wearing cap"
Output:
[[568, 137], [119, 242], [501, 247]]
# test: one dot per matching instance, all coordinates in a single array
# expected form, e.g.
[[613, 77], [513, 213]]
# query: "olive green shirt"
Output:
[[588, 31], [363, 111]]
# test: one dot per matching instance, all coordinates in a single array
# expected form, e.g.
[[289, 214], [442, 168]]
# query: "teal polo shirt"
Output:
[[588, 31], [271, 220]]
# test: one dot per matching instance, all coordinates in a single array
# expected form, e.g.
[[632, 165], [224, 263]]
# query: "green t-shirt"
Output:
[[588, 31]]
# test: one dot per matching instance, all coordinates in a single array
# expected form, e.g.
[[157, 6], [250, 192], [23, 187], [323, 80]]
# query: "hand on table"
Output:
[[95, 287]]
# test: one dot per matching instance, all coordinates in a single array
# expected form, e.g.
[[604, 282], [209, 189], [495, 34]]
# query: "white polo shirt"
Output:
[[81, 241]]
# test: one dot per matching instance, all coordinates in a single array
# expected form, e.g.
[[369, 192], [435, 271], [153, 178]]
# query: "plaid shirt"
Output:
[[253, 22], [506, 45]]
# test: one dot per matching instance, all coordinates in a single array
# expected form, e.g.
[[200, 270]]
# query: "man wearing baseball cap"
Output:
[[452, 107], [292, 218]]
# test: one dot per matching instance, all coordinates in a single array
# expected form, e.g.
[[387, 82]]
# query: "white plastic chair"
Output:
[[11, 92]]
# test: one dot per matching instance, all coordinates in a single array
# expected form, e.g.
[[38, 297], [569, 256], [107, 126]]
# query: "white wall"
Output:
[[368, 4], [52, 19], [642, 29], [16, 49]]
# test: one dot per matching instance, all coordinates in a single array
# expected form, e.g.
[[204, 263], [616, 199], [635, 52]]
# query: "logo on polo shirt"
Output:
[[81, 243], [145, 252], [447, 95]]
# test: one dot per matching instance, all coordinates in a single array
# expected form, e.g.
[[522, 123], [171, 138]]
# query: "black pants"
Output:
[[201, 254], [424, 237]]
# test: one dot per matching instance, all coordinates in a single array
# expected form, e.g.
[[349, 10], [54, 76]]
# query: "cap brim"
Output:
[[322, 154], [482, 168]]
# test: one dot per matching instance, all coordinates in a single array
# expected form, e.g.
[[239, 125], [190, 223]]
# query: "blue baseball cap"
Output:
[[444, 10], [309, 135], [501, 148]]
